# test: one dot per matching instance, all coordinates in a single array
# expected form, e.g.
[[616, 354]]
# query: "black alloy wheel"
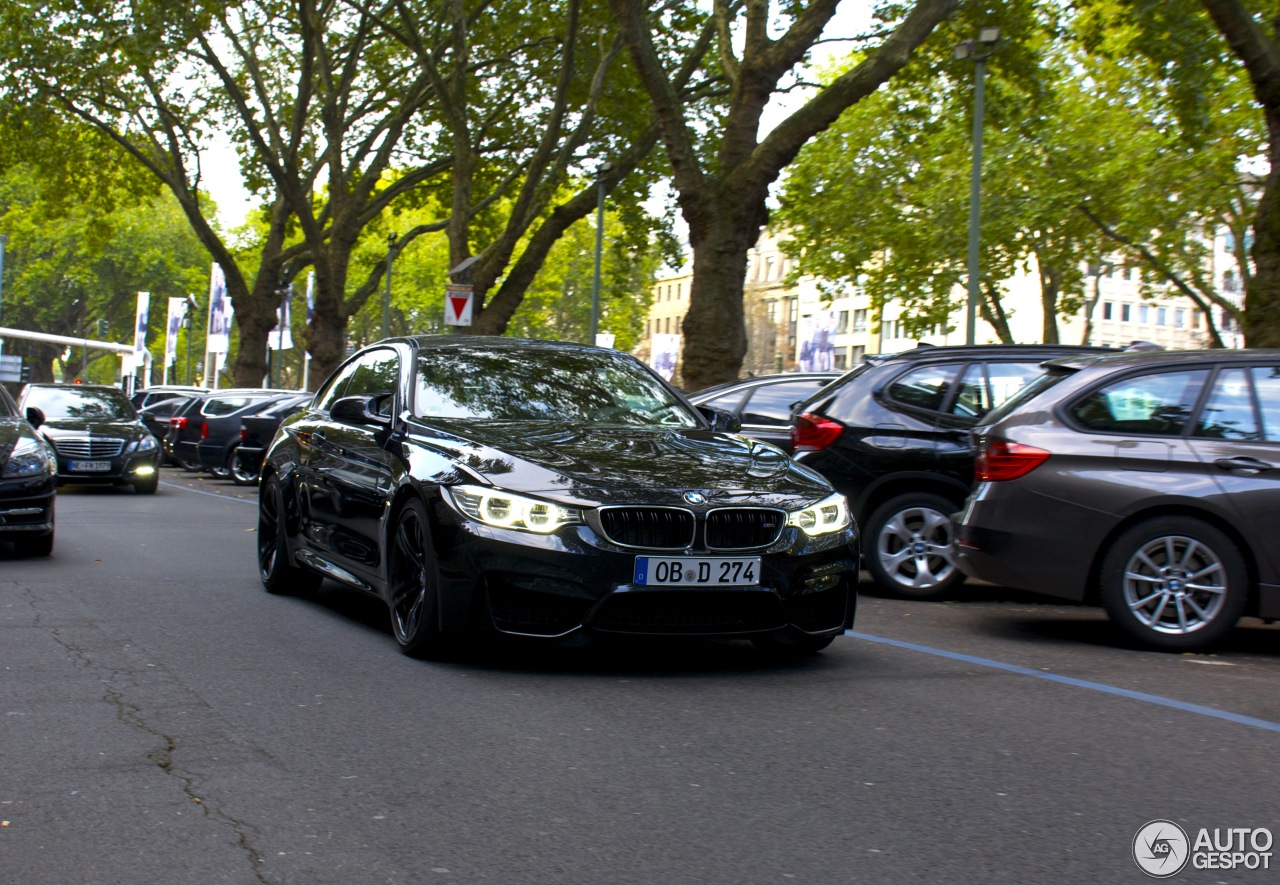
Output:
[[908, 545], [278, 574], [413, 595], [1174, 583]]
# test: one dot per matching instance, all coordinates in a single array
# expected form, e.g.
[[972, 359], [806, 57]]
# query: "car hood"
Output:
[[55, 428], [607, 464]]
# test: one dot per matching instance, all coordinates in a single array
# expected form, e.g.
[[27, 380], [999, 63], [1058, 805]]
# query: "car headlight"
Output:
[[506, 510], [831, 514], [145, 444], [28, 458]]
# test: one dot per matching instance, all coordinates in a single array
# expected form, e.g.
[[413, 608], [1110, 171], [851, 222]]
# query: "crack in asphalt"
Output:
[[162, 755]]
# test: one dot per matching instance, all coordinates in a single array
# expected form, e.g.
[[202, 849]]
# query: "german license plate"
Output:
[[89, 466], [697, 571]]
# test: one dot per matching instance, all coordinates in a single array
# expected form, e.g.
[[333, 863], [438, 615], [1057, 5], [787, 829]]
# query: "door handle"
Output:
[[1242, 465]]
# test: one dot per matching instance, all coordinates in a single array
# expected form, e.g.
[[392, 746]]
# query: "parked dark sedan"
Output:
[[221, 435], [1146, 481], [550, 490], [28, 481], [893, 436], [155, 418], [190, 422], [97, 435], [763, 403], [256, 433]]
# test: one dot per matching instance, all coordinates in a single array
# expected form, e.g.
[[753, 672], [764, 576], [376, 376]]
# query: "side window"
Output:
[[1267, 382], [336, 388], [726, 401], [1008, 378], [771, 403], [972, 399], [1229, 412], [377, 373], [1157, 404], [925, 387]]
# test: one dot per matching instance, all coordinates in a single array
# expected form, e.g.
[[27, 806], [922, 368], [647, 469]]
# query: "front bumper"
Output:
[[133, 467], [26, 506], [575, 581]]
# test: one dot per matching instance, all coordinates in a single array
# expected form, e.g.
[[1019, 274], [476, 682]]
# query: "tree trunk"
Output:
[[1049, 303], [1262, 290]]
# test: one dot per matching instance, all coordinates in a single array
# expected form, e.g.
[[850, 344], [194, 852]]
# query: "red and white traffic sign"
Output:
[[457, 305]]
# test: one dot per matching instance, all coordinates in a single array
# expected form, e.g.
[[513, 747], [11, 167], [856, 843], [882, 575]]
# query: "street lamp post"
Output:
[[605, 168], [187, 316], [978, 51], [386, 298]]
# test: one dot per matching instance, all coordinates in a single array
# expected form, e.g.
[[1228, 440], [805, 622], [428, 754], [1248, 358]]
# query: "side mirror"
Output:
[[721, 421], [35, 417], [360, 411]]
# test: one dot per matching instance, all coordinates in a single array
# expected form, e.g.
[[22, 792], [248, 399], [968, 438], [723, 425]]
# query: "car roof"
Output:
[[979, 351], [1123, 359]]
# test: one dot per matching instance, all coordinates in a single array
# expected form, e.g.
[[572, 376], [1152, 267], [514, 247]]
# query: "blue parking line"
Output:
[[1078, 683], [172, 485]]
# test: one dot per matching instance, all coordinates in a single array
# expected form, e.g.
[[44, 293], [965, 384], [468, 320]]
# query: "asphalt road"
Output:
[[167, 721]]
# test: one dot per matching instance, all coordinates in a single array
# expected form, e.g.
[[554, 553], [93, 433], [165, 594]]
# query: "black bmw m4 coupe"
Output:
[[548, 489]]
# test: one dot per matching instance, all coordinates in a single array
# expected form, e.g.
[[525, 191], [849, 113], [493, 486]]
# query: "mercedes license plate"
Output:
[[87, 466], [697, 571]]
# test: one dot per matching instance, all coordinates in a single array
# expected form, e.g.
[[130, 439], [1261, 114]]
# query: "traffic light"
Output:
[[103, 328]]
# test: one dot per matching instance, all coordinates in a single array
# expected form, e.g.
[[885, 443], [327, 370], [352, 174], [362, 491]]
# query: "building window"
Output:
[[856, 354], [1179, 318], [679, 324], [842, 323], [840, 359], [1230, 281], [1124, 312], [1162, 316], [860, 320], [1106, 310], [1144, 314], [647, 328]]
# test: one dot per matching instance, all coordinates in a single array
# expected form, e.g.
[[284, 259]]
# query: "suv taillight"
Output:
[[244, 434], [999, 459], [204, 429], [813, 433], [178, 423]]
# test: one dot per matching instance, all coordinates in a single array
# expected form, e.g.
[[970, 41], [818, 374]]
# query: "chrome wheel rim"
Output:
[[408, 577], [1175, 584], [238, 472], [916, 547]]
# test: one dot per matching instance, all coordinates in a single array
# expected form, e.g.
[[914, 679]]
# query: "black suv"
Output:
[[893, 436]]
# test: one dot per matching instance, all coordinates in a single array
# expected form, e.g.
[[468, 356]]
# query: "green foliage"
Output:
[[69, 263]]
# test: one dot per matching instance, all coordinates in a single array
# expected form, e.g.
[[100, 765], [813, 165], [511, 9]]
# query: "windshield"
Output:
[[81, 402], [545, 384]]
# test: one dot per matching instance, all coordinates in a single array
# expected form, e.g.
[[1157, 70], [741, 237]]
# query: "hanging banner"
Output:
[[665, 354], [457, 305], [177, 313], [140, 322], [281, 336], [311, 296], [220, 311]]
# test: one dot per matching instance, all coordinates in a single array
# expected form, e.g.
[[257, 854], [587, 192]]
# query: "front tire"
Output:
[[1174, 583], [279, 575], [908, 544], [413, 592]]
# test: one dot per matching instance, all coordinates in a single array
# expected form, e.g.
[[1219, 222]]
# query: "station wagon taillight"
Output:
[[813, 433], [178, 423], [204, 429], [999, 459]]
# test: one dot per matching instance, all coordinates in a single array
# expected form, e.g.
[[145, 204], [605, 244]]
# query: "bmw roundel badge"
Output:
[[695, 498]]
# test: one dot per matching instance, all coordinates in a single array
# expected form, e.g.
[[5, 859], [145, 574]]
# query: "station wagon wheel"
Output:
[[908, 544], [412, 593], [240, 473], [1174, 583], [278, 574]]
